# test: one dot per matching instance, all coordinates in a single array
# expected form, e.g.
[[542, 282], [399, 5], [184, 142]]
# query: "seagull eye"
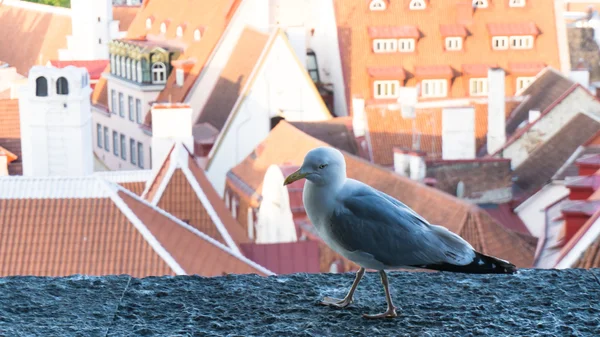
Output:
[[322, 166]]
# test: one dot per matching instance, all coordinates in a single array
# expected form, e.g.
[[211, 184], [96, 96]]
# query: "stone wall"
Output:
[[583, 45]]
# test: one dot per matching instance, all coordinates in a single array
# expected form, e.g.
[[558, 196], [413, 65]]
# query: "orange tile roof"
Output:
[[94, 67], [10, 132], [393, 32], [509, 29], [64, 226], [213, 15], [181, 188], [390, 72], [453, 29], [44, 31], [355, 21], [244, 58], [288, 145], [388, 129]]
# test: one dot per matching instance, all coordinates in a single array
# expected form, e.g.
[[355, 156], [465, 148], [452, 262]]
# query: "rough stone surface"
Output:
[[531, 303]]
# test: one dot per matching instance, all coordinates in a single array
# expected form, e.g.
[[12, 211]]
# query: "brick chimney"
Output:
[[171, 122], [588, 165], [359, 118], [576, 214], [496, 136]]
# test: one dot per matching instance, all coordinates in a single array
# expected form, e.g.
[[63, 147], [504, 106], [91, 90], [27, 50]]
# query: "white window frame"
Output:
[[386, 89], [197, 35], [113, 69], [377, 5], [480, 4], [148, 23], [179, 31], [139, 71], [478, 86], [502, 41], [406, 45], [134, 70], [523, 82], [163, 28], [123, 67], [250, 217], [118, 65], [516, 3], [234, 205], [179, 76], [454, 43], [417, 5], [385, 45], [526, 42], [128, 68], [159, 73], [434, 88], [227, 200]]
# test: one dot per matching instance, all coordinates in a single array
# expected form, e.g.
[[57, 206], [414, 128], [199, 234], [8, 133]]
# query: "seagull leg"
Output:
[[335, 302], [391, 309]]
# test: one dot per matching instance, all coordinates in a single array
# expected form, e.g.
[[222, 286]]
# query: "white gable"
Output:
[[377, 5]]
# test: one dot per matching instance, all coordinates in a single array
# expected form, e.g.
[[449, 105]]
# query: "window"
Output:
[[417, 4], [41, 87], [163, 28], [123, 67], [312, 66], [385, 45], [123, 148], [234, 207], [250, 216], [386, 89], [134, 70], [106, 139], [150, 156], [478, 86], [480, 3], [99, 41], [113, 101], [138, 111], [132, 151], [128, 66], [148, 23], [139, 71], [227, 200], [121, 105], [197, 35], [140, 155], [521, 42], [112, 64], [118, 65], [116, 143], [130, 105], [179, 76], [516, 3], [406, 45], [179, 31], [500, 42], [159, 73], [62, 86], [434, 88], [524, 82], [99, 134], [454, 43], [377, 5]]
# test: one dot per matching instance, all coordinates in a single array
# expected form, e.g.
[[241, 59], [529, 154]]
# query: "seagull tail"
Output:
[[481, 264]]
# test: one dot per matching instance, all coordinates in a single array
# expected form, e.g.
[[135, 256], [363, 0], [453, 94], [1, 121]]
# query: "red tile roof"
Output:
[[504, 215], [125, 15], [512, 29], [526, 68], [443, 71], [10, 133], [286, 144], [285, 258], [357, 26], [387, 72], [453, 29], [383, 32], [477, 69], [94, 67]]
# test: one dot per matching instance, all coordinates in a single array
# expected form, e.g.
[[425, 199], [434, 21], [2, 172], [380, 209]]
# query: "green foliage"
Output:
[[57, 3]]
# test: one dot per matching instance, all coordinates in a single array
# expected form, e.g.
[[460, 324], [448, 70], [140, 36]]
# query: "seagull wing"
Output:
[[369, 221]]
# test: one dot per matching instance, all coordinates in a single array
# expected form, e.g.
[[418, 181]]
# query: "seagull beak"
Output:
[[293, 177]]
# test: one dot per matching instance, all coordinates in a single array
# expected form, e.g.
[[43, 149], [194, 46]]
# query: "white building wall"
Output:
[[252, 13], [91, 29], [458, 133], [275, 222], [281, 85], [56, 135], [550, 124], [532, 210], [123, 125]]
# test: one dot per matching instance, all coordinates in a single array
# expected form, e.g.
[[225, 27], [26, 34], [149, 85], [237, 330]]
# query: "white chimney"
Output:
[[3, 164], [458, 133], [407, 98], [534, 115], [410, 164], [56, 122], [496, 136], [171, 122], [359, 118]]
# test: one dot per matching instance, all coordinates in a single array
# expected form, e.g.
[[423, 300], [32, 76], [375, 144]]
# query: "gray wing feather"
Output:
[[370, 221]]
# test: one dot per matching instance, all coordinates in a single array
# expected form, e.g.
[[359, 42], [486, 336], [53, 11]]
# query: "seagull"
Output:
[[378, 232]]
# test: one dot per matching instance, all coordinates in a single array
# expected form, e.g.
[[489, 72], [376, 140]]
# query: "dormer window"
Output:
[[500, 42], [454, 43], [179, 77], [386, 89], [406, 45], [385, 45], [417, 5], [434, 88], [516, 3], [197, 35], [148, 23], [163, 28], [521, 42], [179, 31], [478, 86], [480, 3], [377, 5], [524, 82]]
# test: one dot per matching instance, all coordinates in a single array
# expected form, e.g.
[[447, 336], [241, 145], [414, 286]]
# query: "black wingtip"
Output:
[[481, 264]]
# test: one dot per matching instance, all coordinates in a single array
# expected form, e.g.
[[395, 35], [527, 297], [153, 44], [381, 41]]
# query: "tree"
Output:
[[57, 3]]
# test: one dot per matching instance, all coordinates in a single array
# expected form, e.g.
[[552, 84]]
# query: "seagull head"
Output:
[[322, 166]]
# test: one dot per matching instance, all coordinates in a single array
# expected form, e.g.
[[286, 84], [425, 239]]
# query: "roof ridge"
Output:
[[50, 187], [197, 232], [37, 7], [140, 226]]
